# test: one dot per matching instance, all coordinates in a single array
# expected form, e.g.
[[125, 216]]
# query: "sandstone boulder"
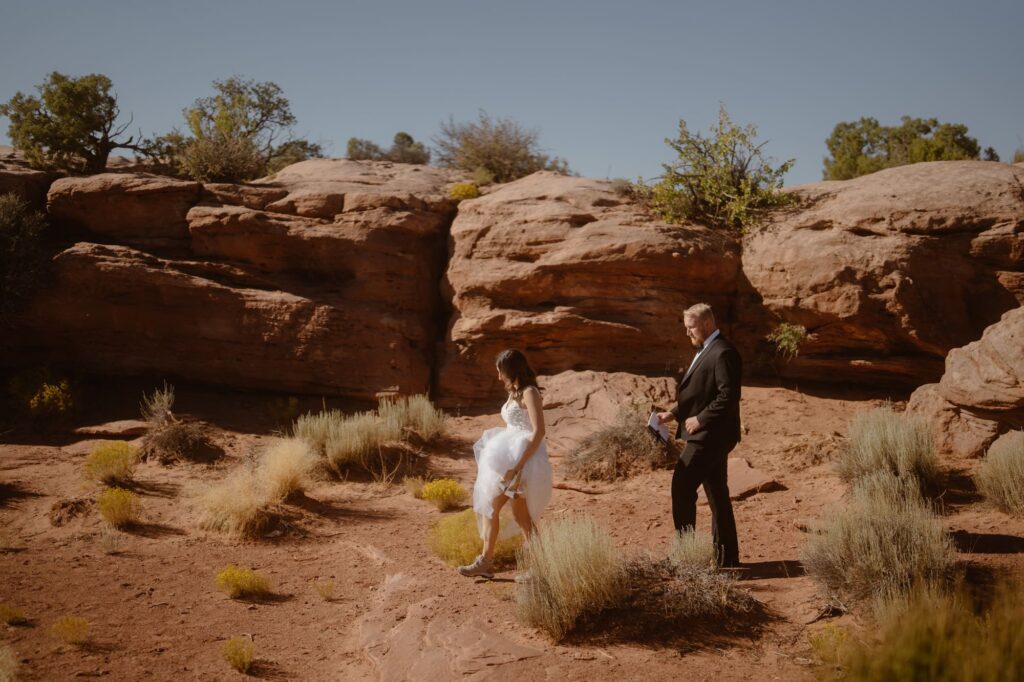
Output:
[[578, 278], [981, 394], [31, 185], [124, 207], [120, 311], [890, 271]]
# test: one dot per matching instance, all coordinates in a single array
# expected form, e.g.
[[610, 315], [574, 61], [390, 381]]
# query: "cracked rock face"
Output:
[[891, 271], [322, 279], [578, 278]]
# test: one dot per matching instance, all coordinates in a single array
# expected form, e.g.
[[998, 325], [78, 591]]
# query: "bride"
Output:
[[512, 462]]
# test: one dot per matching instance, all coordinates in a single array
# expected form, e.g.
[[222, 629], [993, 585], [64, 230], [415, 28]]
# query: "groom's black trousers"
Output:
[[707, 467]]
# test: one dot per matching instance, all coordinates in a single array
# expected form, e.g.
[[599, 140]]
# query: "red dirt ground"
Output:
[[400, 612]]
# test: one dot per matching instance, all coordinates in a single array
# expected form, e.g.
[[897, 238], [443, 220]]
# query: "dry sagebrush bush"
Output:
[[886, 541], [239, 653], [444, 493], [238, 505], [179, 440], [575, 570], [357, 440], [286, 467], [242, 583], [8, 665], [456, 539], [12, 615], [71, 630], [622, 449], [1000, 476], [118, 507], [693, 551], [326, 589], [111, 462], [156, 407], [884, 440], [940, 637]]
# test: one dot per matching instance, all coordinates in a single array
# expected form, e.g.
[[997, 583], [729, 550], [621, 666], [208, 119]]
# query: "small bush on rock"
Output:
[[464, 190]]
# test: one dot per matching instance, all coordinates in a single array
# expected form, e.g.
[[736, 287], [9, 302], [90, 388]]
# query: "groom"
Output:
[[708, 412]]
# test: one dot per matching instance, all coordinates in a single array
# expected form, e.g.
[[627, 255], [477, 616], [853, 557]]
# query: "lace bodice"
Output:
[[515, 416]]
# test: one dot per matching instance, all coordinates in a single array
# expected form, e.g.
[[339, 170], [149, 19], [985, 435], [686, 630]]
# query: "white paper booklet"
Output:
[[657, 428]]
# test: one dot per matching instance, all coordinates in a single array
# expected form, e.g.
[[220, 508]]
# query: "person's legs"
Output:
[[685, 480], [521, 513], [493, 526], [723, 523]]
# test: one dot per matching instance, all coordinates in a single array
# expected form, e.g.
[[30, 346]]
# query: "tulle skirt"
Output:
[[497, 451]]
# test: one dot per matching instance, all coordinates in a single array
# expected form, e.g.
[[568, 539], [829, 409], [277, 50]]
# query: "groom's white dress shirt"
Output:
[[703, 347]]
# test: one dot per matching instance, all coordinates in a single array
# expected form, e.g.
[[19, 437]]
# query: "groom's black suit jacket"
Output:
[[710, 391]]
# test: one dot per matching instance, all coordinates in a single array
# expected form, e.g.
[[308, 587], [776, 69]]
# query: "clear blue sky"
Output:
[[604, 82]]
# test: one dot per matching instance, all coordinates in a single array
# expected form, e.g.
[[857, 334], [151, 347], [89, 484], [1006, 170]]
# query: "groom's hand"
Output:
[[665, 416], [692, 425]]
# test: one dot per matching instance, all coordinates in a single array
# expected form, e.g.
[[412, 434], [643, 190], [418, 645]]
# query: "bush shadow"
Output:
[[164, 490], [268, 670], [154, 530], [13, 492], [769, 570], [955, 489], [987, 543]]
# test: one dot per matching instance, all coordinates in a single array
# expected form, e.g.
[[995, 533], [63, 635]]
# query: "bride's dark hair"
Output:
[[514, 365]]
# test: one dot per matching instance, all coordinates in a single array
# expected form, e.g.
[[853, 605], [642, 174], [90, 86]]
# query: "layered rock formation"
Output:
[[578, 278], [890, 271], [15, 176], [981, 393], [322, 279]]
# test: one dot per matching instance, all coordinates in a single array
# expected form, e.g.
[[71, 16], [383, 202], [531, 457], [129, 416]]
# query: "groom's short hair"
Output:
[[699, 311]]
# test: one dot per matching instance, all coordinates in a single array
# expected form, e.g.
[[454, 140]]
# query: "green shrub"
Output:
[[239, 653], [461, 191], [884, 440], [404, 149], [723, 180], [456, 539], [242, 583], [933, 636], [118, 507], [42, 397], [885, 542], [787, 339], [501, 147], [621, 449], [22, 255], [444, 493], [71, 630], [1000, 476], [575, 569], [111, 462]]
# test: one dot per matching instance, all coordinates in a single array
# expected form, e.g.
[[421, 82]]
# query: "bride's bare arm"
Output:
[[534, 406]]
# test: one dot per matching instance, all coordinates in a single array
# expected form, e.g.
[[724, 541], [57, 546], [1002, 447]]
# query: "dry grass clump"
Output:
[[8, 665], [444, 493], [156, 407], [414, 486], [239, 653], [622, 449], [111, 461], [692, 551], [118, 507], [456, 539], [11, 615], [886, 541], [1000, 476], [575, 570], [238, 505], [179, 440], [286, 467], [360, 440], [71, 630], [884, 440], [327, 589], [939, 637], [242, 583]]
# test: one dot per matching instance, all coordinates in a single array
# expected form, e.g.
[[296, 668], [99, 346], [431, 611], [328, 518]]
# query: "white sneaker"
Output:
[[481, 567]]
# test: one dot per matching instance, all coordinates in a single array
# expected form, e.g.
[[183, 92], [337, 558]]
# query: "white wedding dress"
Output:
[[497, 451]]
